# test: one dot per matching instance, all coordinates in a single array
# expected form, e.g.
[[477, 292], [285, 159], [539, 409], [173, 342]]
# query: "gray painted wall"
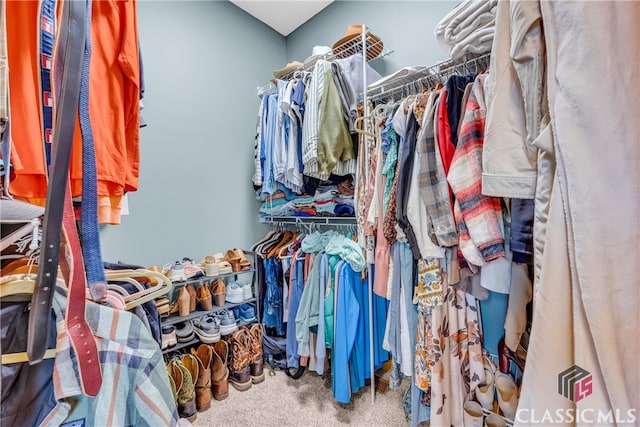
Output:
[[202, 63], [406, 27]]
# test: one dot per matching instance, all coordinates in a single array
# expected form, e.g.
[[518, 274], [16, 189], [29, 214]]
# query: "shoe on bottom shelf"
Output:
[[235, 293], [207, 329], [473, 415], [255, 354], [169, 338], [493, 420], [220, 371], [227, 322], [184, 331], [239, 369], [185, 390]]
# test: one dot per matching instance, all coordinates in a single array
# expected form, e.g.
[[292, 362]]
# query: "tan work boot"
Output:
[[203, 384], [257, 373], [219, 370], [239, 372], [186, 396]]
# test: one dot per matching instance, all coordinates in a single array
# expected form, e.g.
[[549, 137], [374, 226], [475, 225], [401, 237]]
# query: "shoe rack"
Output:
[[174, 319]]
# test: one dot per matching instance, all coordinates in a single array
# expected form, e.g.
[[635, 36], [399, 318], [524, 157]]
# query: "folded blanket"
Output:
[[476, 43], [467, 17]]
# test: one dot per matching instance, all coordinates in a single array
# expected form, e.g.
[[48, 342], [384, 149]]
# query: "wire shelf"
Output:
[[375, 50], [425, 77]]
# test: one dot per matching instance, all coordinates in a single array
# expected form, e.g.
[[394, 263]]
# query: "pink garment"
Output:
[[381, 278]]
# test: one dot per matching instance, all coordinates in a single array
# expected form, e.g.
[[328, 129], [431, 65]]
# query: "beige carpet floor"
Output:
[[282, 401]]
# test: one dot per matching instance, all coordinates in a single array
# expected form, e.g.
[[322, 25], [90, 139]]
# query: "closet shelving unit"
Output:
[[175, 319], [362, 44]]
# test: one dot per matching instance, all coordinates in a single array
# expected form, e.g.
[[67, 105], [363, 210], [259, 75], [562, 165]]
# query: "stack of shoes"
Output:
[[239, 367], [204, 357], [219, 370], [207, 329], [255, 358], [498, 384], [219, 292], [182, 381]]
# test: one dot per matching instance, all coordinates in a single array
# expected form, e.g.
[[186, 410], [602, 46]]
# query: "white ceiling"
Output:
[[283, 16]]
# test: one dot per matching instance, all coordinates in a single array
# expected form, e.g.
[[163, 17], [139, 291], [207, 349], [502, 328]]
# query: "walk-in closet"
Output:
[[319, 213]]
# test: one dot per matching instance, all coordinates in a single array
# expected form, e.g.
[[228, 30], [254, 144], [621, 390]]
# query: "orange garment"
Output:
[[114, 80], [114, 93], [23, 51]]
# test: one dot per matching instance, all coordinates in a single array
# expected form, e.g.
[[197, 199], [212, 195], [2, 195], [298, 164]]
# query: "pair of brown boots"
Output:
[[246, 360], [212, 381]]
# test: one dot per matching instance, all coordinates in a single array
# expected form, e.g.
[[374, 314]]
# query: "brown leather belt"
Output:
[[67, 76]]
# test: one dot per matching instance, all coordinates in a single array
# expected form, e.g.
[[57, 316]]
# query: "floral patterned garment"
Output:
[[454, 356], [428, 293]]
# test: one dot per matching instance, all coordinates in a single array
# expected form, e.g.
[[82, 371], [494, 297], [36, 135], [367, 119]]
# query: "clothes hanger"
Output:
[[360, 130], [149, 294]]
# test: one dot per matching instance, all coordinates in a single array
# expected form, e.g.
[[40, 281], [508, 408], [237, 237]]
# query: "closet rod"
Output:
[[427, 77]]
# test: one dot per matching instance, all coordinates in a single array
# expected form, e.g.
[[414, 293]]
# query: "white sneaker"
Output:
[[235, 293], [247, 291], [175, 272]]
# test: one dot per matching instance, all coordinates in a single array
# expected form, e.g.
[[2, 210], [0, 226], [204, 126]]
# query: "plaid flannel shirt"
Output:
[[433, 181], [135, 387], [482, 215]]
